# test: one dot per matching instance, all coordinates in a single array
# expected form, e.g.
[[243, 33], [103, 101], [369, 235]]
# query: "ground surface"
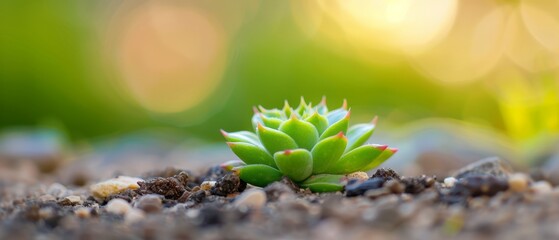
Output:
[[484, 201]]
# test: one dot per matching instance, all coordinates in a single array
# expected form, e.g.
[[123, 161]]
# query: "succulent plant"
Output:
[[312, 146]]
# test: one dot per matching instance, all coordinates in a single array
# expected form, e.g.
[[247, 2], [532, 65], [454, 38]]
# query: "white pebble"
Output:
[[253, 198], [74, 199], [118, 206], [518, 182], [114, 186], [541, 187], [134, 215], [450, 181], [207, 185]]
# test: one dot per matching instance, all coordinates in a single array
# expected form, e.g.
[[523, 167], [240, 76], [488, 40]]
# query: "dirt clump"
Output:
[[169, 187]]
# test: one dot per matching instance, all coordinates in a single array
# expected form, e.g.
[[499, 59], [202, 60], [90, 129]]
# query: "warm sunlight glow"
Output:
[[171, 57]]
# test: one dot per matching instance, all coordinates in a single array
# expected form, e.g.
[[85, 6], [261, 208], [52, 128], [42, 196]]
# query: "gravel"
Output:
[[171, 203]]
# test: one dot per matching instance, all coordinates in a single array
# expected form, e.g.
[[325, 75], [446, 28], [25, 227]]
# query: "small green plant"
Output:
[[312, 146]]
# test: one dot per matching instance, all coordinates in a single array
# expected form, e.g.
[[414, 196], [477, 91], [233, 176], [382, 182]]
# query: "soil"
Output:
[[180, 204]]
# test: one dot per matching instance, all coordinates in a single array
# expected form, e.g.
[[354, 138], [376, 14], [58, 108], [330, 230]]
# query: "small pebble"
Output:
[[541, 187], [253, 198], [47, 198], [57, 190], [207, 185], [134, 215], [118, 206], [358, 175], [450, 181], [518, 182], [74, 199], [83, 212], [150, 203], [114, 186]]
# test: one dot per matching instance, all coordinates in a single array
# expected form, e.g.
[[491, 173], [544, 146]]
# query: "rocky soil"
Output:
[[484, 200]]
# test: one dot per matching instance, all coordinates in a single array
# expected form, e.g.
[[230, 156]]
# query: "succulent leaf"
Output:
[[275, 113], [319, 121], [304, 133], [385, 155], [271, 122], [336, 115], [287, 110], [251, 154], [356, 159], [296, 164], [258, 174], [327, 151], [359, 134], [241, 136], [335, 128], [324, 183], [302, 107], [274, 140]]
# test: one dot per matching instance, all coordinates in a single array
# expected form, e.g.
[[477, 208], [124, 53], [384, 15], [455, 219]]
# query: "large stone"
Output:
[[492, 166]]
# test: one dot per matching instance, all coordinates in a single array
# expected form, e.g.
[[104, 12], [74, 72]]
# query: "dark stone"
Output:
[[479, 186], [492, 166], [356, 188]]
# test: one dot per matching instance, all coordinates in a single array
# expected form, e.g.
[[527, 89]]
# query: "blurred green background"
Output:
[[106, 68]]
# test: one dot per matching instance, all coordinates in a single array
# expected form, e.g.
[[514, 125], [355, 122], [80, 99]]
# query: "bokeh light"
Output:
[[171, 56]]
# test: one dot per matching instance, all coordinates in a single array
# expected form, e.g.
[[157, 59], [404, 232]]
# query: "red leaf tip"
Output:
[[286, 152], [348, 114], [393, 150], [380, 147], [223, 132], [375, 120]]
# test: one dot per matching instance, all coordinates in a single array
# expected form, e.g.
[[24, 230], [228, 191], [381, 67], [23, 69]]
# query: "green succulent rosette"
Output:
[[312, 146]]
